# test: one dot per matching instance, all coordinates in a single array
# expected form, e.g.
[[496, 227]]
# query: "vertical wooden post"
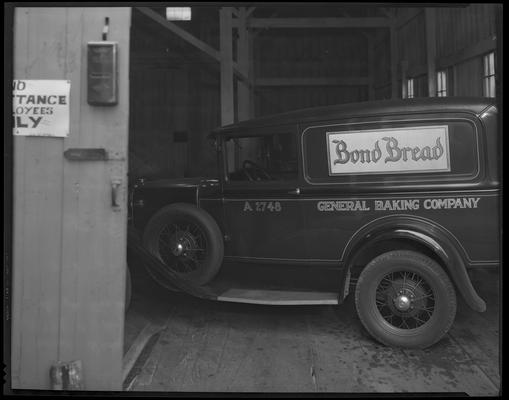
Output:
[[404, 68], [226, 54], [371, 67], [243, 88], [394, 60], [454, 91], [243, 52], [431, 50], [251, 74]]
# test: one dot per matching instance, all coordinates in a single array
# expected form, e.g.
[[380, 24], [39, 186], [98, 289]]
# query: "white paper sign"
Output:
[[41, 107], [394, 150]]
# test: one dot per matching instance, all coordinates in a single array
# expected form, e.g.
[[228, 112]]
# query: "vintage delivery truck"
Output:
[[398, 199]]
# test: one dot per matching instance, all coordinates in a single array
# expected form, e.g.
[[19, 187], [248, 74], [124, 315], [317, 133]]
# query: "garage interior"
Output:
[[182, 72], [228, 64]]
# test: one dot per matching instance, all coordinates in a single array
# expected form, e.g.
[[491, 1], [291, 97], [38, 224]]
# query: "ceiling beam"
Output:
[[342, 22], [191, 39], [250, 11], [409, 15], [182, 33]]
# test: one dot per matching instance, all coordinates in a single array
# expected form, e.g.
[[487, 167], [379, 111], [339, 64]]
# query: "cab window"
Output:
[[262, 157]]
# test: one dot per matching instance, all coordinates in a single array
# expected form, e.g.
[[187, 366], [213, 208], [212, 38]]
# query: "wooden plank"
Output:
[[243, 52], [466, 86], [394, 61], [430, 21], [37, 201], [404, 79], [21, 59], [100, 232], [137, 347], [70, 201], [340, 81], [226, 66], [226, 60], [371, 67], [277, 297], [369, 22], [251, 73]]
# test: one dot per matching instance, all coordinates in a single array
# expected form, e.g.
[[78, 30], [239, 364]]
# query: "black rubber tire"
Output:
[[212, 235], [444, 300], [128, 288]]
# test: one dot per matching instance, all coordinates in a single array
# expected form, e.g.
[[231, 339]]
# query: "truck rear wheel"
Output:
[[405, 299], [187, 240]]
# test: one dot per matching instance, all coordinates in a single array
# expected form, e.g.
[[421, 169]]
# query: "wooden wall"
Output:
[[308, 54], [461, 27], [273, 100], [69, 245], [173, 91], [382, 69], [463, 35], [171, 95]]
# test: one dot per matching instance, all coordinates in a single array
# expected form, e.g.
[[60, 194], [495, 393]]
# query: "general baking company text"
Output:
[[398, 205]]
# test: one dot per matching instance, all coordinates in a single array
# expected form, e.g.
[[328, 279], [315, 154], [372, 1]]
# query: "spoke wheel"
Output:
[[404, 298], [187, 240], [182, 246]]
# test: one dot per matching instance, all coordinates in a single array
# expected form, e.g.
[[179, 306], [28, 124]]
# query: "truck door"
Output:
[[263, 213]]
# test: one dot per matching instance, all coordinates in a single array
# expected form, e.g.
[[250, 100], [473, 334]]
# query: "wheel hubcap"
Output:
[[405, 300], [402, 303], [178, 249]]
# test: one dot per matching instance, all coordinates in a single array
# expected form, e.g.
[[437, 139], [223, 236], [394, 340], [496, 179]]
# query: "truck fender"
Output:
[[416, 229]]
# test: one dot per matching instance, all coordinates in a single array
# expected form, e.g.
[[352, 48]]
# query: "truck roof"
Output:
[[475, 105]]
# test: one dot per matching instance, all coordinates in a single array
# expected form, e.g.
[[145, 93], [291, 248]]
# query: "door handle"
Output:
[[115, 190], [294, 191]]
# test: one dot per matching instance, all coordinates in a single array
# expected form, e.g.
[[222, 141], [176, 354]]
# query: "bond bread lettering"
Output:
[[363, 156], [394, 152], [412, 149]]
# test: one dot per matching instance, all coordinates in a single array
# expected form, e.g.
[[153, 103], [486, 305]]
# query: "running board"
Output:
[[228, 290], [277, 297]]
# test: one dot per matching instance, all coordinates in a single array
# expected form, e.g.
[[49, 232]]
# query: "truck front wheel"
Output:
[[405, 299], [187, 240]]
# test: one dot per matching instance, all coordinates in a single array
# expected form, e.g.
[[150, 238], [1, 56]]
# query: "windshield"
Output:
[[262, 157]]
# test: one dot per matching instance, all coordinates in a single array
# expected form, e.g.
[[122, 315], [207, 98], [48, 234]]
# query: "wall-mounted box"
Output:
[[102, 74]]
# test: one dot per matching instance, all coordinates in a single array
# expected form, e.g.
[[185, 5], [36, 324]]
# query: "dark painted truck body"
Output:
[[339, 187]]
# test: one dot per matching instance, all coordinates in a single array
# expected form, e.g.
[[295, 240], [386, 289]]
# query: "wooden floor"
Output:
[[207, 346]]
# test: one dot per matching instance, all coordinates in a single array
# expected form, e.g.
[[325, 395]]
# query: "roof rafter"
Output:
[[191, 39]]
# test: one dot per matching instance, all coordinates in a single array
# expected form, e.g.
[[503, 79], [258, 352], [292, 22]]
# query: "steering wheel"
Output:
[[257, 171]]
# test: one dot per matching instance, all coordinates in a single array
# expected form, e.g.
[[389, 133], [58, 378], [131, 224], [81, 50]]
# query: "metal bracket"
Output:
[[115, 189]]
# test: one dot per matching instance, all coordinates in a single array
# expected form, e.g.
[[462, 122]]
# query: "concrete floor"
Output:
[[208, 346]]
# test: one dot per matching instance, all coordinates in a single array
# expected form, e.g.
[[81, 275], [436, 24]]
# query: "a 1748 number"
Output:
[[262, 206]]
